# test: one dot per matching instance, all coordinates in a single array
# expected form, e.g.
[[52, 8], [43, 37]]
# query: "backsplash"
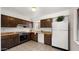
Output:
[[8, 29], [46, 29]]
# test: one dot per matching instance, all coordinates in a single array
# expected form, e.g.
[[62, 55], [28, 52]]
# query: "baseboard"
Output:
[[60, 48]]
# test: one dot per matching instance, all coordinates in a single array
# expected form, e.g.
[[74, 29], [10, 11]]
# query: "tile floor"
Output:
[[33, 46]]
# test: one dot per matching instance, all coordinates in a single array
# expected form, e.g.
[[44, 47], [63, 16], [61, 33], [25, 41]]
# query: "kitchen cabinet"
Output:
[[8, 21], [78, 11], [47, 38], [4, 43], [34, 36], [9, 41], [46, 23], [16, 39], [20, 21], [28, 37]]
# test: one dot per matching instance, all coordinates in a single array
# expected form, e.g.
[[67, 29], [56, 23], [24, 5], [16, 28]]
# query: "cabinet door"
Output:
[[7, 21], [4, 21], [12, 22], [46, 23], [16, 40], [42, 23], [34, 36], [13, 40], [47, 39], [10, 42], [3, 44]]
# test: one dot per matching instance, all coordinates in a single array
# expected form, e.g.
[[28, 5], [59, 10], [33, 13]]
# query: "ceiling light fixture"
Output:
[[33, 9]]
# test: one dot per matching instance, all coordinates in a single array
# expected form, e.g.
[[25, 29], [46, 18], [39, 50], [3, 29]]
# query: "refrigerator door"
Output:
[[60, 39]]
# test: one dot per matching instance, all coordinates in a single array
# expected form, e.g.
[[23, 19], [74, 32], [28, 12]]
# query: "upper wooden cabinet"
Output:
[[8, 21], [46, 23]]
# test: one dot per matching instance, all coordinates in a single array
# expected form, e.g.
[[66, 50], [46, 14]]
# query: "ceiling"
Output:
[[41, 11]]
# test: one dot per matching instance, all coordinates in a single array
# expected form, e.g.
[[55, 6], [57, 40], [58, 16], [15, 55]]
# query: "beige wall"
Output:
[[74, 45], [0, 29]]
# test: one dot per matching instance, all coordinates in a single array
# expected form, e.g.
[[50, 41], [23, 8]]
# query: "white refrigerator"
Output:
[[60, 33]]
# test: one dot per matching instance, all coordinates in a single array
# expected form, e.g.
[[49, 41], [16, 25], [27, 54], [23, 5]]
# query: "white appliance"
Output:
[[60, 33], [41, 38]]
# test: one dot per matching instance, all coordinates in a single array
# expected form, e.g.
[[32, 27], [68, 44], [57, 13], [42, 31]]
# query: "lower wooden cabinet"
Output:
[[9, 41], [16, 39], [4, 43], [48, 38], [34, 36]]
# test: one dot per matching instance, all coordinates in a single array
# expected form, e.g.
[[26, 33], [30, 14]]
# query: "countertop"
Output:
[[12, 33], [8, 33]]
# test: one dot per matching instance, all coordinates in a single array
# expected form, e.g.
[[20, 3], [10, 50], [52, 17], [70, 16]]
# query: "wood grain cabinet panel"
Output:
[[4, 43], [11, 22], [9, 41], [4, 21], [34, 36], [48, 38], [15, 40], [8, 21], [46, 23]]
